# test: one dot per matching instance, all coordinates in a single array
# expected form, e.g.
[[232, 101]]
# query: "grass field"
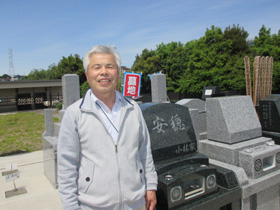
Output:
[[21, 132]]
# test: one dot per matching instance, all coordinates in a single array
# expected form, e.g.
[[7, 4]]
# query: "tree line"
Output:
[[216, 59]]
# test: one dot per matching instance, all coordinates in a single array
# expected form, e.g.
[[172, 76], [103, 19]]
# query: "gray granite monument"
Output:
[[235, 142], [70, 89], [71, 93]]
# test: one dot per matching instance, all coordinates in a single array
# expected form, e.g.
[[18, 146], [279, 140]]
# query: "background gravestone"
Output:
[[158, 85], [269, 111], [211, 91], [198, 115], [48, 123], [70, 89]]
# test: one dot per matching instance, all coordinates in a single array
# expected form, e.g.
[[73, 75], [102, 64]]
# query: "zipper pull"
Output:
[[116, 147]]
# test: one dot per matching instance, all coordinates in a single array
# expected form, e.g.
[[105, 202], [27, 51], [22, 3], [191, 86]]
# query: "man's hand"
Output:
[[151, 199]]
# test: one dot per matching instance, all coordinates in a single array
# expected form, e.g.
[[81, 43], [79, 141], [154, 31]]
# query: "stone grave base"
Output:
[[261, 193], [228, 153], [50, 159]]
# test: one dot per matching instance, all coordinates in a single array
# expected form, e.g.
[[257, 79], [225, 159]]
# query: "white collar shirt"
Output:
[[110, 118]]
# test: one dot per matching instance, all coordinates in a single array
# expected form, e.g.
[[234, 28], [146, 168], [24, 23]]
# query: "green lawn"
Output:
[[21, 132]]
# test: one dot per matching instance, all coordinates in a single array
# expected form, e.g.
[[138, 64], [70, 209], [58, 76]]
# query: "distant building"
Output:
[[27, 95], [17, 78], [5, 79], [124, 68]]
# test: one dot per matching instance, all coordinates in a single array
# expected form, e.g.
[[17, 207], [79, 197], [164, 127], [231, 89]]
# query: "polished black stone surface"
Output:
[[269, 112], [226, 196], [225, 178], [188, 159], [171, 130], [275, 136], [222, 200]]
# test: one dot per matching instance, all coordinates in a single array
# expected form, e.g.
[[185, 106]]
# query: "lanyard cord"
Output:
[[108, 117]]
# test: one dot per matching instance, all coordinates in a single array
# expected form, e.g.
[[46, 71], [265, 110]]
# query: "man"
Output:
[[104, 155]]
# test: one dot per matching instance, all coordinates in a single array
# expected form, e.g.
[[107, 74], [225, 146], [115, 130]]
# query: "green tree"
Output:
[[83, 88], [269, 45], [67, 65], [5, 76], [238, 36], [172, 60], [37, 74], [167, 58], [146, 63], [71, 65], [216, 60]]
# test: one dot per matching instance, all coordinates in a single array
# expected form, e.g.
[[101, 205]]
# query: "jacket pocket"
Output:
[[141, 171], [86, 174]]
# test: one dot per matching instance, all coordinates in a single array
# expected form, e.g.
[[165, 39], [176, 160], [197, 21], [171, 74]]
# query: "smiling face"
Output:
[[102, 75]]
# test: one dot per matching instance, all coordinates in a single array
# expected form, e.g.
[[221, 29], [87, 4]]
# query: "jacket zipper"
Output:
[[119, 178]]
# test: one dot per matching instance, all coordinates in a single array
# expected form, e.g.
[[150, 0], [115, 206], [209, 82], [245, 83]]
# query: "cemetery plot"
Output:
[[185, 178]]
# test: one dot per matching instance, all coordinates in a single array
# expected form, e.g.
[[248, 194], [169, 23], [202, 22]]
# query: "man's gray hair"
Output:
[[106, 49]]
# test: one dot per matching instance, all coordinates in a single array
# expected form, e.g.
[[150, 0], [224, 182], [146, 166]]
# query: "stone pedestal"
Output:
[[235, 142], [50, 159]]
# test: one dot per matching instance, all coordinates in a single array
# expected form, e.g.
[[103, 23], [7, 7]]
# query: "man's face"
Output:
[[102, 74]]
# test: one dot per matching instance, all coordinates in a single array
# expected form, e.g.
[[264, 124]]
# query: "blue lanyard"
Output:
[[108, 117]]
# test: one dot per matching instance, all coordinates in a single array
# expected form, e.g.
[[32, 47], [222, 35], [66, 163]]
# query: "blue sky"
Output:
[[41, 32]]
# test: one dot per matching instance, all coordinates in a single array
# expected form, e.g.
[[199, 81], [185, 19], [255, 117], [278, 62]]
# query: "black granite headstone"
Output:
[[269, 111], [171, 130]]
